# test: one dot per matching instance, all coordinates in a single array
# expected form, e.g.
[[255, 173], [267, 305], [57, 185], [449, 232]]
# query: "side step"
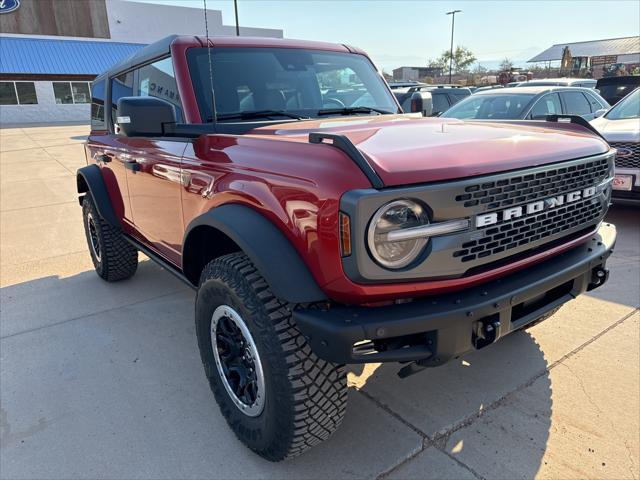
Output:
[[160, 261]]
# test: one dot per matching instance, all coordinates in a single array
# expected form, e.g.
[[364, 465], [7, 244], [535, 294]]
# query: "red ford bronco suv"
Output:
[[320, 226]]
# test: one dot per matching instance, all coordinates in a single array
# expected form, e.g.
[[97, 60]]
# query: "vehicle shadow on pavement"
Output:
[[105, 380], [453, 406]]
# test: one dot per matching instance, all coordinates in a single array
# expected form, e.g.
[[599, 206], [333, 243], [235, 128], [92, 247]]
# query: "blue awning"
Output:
[[61, 57]]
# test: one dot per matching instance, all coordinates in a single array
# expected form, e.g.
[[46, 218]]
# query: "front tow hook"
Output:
[[485, 332]]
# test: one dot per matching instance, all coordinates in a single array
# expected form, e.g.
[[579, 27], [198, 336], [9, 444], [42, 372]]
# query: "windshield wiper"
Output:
[[352, 111], [259, 114]]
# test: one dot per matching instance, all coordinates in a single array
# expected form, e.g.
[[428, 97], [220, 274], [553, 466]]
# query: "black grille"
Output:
[[515, 233], [630, 161], [528, 187]]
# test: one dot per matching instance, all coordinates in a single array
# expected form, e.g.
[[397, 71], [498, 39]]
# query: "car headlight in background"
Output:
[[394, 217]]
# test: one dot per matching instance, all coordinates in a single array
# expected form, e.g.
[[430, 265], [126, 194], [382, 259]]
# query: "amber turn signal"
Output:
[[345, 234]]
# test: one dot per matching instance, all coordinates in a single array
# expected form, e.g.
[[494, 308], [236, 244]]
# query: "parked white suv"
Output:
[[621, 127]]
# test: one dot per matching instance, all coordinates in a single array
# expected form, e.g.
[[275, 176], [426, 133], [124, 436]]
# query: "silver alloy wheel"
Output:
[[238, 361], [93, 237]]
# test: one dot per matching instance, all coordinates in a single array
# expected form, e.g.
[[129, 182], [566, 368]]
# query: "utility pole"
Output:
[[453, 22], [235, 6]]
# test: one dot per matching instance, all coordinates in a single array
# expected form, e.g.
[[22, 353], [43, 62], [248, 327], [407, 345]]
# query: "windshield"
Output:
[[490, 107], [629, 107], [294, 81]]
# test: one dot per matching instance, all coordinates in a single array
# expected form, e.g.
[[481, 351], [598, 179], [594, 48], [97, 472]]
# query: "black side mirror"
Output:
[[144, 116]]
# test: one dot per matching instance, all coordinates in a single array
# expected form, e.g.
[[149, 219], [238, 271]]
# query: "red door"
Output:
[[154, 181], [103, 149]]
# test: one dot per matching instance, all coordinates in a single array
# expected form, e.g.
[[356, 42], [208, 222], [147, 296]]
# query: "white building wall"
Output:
[[47, 110], [135, 22]]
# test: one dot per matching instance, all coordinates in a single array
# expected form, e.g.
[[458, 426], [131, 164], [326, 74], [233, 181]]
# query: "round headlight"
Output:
[[397, 215]]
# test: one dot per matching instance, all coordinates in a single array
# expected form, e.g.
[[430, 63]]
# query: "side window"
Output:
[[440, 102], [547, 105], [158, 80], [456, 97], [593, 101], [121, 86], [97, 105], [576, 103]]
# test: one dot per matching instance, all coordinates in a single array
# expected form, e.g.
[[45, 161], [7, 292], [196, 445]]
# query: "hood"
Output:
[[624, 130], [404, 149]]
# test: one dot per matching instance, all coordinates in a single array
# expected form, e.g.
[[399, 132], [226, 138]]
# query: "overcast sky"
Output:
[[399, 33]]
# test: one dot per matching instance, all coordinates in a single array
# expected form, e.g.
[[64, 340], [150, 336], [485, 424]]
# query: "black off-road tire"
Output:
[[305, 397], [113, 257]]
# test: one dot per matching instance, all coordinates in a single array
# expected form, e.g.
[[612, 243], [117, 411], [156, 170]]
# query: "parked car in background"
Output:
[[428, 99], [621, 127], [520, 103], [614, 89], [444, 96], [413, 97], [560, 82], [487, 87]]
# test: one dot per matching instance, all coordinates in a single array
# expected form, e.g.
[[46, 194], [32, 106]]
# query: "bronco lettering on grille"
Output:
[[533, 207]]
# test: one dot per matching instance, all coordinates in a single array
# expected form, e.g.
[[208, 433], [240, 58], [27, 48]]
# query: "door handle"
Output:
[[101, 157]]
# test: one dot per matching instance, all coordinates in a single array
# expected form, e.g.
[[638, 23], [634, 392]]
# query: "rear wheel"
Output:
[[277, 396], [113, 257]]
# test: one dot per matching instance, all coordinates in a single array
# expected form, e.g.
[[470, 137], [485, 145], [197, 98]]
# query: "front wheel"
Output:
[[277, 396]]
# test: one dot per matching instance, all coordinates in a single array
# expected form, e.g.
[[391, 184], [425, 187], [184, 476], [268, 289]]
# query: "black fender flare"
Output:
[[270, 251], [89, 179]]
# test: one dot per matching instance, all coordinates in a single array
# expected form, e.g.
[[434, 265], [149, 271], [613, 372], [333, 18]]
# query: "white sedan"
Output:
[[621, 127]]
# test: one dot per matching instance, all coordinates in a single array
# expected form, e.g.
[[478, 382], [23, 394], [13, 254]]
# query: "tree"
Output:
[[462, 58], [506, 65], [436, 63], [480, 70]]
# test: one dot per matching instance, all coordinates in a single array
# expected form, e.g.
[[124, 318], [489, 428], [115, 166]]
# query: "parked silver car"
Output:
[[520, 103], [560, 82]]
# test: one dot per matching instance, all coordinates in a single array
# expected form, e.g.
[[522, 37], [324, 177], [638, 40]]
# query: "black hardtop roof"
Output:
[[621, 80], [147, 53]]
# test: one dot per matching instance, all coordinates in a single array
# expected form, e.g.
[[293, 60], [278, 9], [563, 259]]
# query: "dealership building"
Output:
[[51, 49], [597, 58]]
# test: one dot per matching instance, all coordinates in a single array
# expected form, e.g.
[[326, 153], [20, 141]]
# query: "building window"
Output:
[[80, 92], [18, 93], [71, 92]]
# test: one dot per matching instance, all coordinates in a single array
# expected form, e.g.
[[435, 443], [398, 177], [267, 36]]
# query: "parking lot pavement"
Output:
[[104, 380]]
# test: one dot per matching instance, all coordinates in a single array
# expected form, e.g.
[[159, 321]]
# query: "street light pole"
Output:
[[453, 22], [235, 6]]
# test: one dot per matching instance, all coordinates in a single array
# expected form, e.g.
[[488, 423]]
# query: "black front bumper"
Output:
[[436, 329]]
